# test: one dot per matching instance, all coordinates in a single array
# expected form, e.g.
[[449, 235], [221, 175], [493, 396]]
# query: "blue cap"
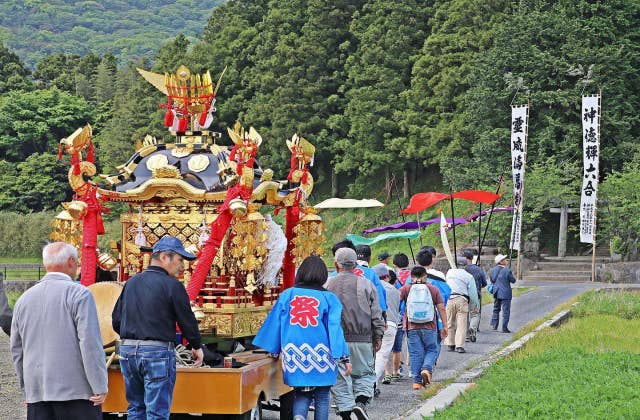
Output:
[[171, 243]]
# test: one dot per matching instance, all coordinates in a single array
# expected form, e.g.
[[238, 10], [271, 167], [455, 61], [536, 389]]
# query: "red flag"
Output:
[[423, 201], [477, 196]]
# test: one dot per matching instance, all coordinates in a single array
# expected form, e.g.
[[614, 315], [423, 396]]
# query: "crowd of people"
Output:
[[342, 334], [350, 334]]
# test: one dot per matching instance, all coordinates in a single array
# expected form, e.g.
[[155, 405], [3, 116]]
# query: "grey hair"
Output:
[[58, 253]]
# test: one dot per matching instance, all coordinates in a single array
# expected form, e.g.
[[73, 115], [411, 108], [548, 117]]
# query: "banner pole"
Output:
[[524, 167], [595, 207]]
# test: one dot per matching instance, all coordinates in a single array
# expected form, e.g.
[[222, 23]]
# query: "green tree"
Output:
[[435, 120], [548, 52], [619, 217], [376, 79], [304, 81], [13, 74], [69, 73], [104, 84], [228, 40], [41, 184], [35, 122], [8, 175], [57, 70], [131, 30], [172, 55], [133, 114]]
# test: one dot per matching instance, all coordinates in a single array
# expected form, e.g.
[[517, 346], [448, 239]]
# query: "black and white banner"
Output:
[[519, 122], [591, 154]]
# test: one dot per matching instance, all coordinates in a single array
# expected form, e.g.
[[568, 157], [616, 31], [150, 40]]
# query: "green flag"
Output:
[[361, 240]]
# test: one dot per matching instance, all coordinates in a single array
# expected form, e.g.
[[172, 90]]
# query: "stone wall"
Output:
[[618, 272]]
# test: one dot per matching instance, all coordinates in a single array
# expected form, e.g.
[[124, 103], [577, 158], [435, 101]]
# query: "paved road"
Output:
[[398, 398]]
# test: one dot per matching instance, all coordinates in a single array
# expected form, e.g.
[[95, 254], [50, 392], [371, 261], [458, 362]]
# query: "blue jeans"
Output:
[[423, 351], [149, 374], [302, 400]]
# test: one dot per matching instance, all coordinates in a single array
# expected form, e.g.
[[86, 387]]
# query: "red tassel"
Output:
[[183, 124], [234, 150], [90, 150], [203, 117], [168, 118], [59, 151], [75, 162]]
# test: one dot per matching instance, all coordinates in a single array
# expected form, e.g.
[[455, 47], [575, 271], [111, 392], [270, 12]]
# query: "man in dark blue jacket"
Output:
[[145, 316], [501, 278]]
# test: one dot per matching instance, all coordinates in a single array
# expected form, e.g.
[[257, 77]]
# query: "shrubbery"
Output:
[[24, 235]]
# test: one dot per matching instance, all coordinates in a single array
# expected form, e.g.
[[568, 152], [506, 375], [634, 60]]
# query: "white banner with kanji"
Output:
[[591, 157], [519, 122]]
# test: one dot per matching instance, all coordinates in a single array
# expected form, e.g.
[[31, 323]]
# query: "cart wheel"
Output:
[[255, 413]]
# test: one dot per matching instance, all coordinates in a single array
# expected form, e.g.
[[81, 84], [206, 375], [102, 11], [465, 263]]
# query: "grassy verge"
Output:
[[24, 260], [587, 368], [12, 297]]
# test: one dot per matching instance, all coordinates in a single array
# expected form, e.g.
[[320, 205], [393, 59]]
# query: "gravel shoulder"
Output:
[[12, 407]]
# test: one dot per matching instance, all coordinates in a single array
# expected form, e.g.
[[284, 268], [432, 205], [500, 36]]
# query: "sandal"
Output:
[[426, 377]]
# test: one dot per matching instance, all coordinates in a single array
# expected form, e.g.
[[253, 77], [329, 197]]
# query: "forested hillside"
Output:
[[128, 29], [416, 90]]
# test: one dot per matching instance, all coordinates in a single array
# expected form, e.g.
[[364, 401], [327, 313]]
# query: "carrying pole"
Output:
[[418, 220], [479, 229], [395, 185], [453, 223], [486, 228]]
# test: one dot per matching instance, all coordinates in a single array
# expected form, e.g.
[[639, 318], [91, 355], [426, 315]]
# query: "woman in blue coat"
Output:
[[304, 329]]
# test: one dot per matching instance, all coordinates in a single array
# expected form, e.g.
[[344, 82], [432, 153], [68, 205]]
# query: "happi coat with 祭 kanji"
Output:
[[304, 329]]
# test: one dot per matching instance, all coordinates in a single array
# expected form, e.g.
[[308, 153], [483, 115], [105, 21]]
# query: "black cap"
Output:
[[383, 256]]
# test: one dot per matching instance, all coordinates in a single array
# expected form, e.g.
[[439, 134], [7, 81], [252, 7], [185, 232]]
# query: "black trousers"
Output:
[[505, 305], [64, 410]]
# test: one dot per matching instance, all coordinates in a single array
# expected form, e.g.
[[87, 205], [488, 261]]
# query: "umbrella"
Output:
[[347, 203]]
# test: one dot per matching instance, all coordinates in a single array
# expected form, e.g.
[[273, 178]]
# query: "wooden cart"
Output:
[[236, 393]]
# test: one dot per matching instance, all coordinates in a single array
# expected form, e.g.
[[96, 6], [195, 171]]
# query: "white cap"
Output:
[[499, 258]]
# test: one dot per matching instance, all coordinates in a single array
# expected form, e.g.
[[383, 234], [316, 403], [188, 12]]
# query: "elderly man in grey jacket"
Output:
[[56, 344], [363, 328]]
